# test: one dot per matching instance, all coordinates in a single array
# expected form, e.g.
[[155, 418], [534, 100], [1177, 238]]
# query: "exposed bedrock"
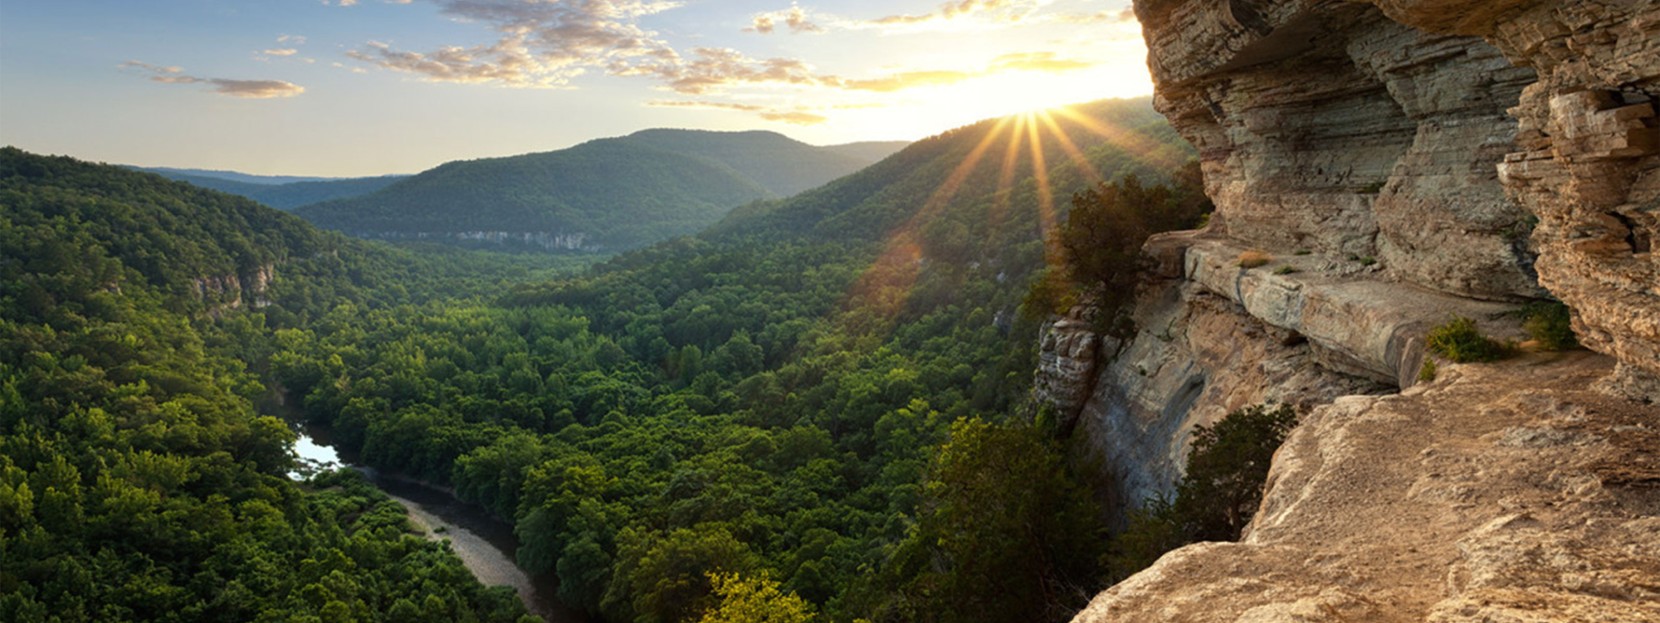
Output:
[[1199, 356], [1450, 142], [1461, 500]]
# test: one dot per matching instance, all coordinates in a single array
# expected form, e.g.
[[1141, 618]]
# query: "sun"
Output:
[[1028, 143], [941, 107]]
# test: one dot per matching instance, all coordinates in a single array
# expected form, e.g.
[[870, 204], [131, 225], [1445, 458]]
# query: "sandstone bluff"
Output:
[[1401, 161]]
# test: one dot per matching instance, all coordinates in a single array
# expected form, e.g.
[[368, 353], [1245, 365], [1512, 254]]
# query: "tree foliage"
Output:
[[1219, 492], [754, 600], [1101, 244]]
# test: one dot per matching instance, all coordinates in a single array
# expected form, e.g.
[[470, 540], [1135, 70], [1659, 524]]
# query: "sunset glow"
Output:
[[348, 87]]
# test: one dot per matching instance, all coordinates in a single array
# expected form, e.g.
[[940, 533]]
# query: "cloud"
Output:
[[909, 80], [999, 10], [540, 42], [1046, 62], [710, 69], [1037, 61], [294, 39], [550, 43], [280, 52], [795, 117], [1121, 16], [794, 17], [250, 89]]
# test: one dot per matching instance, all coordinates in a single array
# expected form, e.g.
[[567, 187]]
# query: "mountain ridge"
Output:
[[601, 195]]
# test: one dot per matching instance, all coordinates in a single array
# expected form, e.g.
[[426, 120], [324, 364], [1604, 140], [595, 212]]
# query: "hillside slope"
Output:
[[131, 454], [604, 195]]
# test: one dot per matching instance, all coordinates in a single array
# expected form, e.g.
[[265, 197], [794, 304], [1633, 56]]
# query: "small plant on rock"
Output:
[[1550, 324], [1461, 341], [1428, 371], [1285, 270]]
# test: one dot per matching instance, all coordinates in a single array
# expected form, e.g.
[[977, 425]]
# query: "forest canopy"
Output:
[[800, 406]]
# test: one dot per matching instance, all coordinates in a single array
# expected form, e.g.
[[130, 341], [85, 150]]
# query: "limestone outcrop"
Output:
[[1447, 141], [1496, 493], [1400, 162], [1199, 357]]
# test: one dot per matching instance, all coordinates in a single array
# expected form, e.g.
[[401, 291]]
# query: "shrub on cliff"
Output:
[[1218, 494], [1100, 244], [1461, 341], [1550, 324]]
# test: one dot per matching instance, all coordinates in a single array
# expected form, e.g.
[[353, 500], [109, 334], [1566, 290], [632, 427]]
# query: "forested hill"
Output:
[[607, 195], [962, 179], [826, 416], [781, 165], [137, 481], [285, 193]]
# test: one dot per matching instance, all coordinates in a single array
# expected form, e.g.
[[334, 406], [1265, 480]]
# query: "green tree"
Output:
[[1100, 244], [1218, 494], [1014, 528], [1226, 471], [754, 600]]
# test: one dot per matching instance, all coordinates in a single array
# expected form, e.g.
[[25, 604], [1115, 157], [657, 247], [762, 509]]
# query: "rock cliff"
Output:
[[1399, 162], [1459, 500]]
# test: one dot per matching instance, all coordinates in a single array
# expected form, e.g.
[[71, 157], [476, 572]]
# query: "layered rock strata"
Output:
[[1448, 141], [1399, 162]]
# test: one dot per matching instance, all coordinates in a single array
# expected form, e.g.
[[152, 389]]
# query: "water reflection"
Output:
[[486, 545], [312, 457]]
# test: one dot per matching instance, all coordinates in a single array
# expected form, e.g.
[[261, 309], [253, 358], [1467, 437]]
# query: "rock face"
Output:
[[1199, 357], [1461, 500], [1441, 139], [1326, 127], [1400, 162], [229, 291]]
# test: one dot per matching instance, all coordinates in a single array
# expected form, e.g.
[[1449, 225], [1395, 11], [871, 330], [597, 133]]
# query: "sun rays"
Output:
[[1028, 143]]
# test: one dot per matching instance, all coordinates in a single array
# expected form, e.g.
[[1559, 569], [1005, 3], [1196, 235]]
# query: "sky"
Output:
[[345, 88]]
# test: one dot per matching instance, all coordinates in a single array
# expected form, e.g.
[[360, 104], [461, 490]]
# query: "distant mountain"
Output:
[[872, 151], [232, 176], [271, 190], [782, 165], [603, 195]]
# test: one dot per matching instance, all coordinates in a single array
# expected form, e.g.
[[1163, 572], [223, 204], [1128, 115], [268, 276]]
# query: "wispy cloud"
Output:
[[796, 117], [711, 69], [280, 52], [1121, 16], [795, 18], [250, 89], [1002, 10]]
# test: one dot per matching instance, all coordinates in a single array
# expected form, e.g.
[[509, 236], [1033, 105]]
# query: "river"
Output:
[[486, 545]]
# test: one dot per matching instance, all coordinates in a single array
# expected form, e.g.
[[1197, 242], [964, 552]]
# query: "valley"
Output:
[[1351, 313]]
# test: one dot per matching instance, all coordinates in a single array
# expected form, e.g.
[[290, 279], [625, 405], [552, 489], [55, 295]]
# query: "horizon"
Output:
[[345, 88], [186, 169]]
